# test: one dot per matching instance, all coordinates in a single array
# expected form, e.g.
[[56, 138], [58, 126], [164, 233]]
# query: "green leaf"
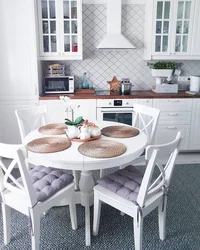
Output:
[[79, 120], [164, 65], [67, 120], [69, 123], [76, 122]]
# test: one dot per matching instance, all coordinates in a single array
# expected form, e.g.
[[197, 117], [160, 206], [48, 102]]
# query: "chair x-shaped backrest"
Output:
[[154, 156], [146, 118], [30, 119], [7, 181]]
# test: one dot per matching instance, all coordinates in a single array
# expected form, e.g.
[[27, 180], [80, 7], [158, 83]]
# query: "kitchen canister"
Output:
[[195, 84]]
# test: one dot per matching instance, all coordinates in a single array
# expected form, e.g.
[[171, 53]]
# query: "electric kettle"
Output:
[[195, 84]]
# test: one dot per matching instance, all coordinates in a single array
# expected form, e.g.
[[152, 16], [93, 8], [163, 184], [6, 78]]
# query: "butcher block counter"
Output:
[[139, 94]]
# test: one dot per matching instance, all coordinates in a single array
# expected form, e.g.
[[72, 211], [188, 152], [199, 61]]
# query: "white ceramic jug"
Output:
[[73, 131], [95, 131], [85, 132]]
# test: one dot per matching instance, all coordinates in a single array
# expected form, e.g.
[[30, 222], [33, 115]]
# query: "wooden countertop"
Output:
[[139, 94]]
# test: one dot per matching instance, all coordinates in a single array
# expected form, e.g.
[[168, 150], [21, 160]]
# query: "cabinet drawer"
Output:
[[173, 104], [165, 134], [174, 118]]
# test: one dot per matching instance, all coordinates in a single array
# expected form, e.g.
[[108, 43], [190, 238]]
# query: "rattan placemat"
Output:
[[120, 131], [53, 129], [102, 149], [49, 144]]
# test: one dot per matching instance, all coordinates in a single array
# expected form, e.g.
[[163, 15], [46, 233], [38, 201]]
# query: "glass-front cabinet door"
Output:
[[162, 27], [70, 31], [184, 12], [60, 27], [48, 21], [172, 27]]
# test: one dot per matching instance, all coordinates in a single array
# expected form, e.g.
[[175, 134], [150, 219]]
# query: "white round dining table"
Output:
[[71, 159]]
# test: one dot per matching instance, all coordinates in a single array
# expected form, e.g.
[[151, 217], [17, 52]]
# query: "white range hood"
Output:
[[114, 39]]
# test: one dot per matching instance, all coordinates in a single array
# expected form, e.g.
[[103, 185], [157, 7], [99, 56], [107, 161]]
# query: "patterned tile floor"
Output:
[[116, 231]]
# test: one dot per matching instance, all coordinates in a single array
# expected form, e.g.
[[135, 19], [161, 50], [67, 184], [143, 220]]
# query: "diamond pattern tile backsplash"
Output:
[[102, 65]]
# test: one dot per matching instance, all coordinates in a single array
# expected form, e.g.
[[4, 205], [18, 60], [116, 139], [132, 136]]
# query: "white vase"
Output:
[[72, 131]]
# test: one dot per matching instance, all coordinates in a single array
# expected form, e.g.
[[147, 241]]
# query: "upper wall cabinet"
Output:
[[196, 35], [60, 29], [170, 27]]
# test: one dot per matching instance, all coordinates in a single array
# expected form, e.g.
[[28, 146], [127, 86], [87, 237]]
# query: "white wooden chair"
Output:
[[20, 194], [146, 119], [137, 194], [32, 118]]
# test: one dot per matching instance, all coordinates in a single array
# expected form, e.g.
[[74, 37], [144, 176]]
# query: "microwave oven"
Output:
[[59, 85]]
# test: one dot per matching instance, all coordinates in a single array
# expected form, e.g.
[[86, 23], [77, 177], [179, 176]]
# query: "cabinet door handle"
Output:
[[171, 114], [171, 127], [35, 89], [173, 100]]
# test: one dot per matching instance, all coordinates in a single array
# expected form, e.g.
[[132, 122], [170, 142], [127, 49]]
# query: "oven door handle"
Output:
[[118, 110]]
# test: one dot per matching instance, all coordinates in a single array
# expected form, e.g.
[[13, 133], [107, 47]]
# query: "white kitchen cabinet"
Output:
[[18, 51], [18, 64], [56, 111], [166, 134], [169, 29], [146, 102], [195, 126], [60, 29], [175, 116], [173, 104], [196, 33], [9, 129], [87, 109]]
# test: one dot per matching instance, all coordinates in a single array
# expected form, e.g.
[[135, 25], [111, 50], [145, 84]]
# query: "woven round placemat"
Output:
[[120, 131], [49, 144], [53, 129], [102, 149]]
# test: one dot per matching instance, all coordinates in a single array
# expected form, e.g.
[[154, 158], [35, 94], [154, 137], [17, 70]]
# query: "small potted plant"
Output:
[[71, 107], [163, 69], [72, 130]]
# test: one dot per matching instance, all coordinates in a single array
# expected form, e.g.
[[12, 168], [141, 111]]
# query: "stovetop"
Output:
[[107, 93]]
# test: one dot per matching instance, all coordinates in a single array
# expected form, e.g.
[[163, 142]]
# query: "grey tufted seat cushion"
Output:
[[47, 181], [125, 182]]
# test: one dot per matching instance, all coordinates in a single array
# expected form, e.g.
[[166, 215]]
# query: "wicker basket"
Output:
[[56, 70]]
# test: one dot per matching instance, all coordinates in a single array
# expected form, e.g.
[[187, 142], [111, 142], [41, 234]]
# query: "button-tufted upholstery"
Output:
[[48, 181], [125, 182]]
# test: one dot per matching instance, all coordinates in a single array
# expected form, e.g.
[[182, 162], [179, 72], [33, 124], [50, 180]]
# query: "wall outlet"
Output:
[[183, 78]]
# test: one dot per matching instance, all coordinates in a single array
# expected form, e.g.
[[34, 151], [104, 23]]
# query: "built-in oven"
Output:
[[120, 110]]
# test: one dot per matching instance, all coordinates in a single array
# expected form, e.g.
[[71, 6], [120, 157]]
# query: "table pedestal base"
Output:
[[86, 185], [85, 197]]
